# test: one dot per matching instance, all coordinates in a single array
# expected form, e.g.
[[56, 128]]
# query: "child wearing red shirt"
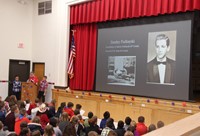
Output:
[[141, 127], [69, 109]]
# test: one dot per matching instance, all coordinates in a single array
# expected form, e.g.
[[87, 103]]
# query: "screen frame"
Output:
[[152, 20]]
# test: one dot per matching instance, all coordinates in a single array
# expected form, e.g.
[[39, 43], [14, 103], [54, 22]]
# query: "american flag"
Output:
[[70, 67]]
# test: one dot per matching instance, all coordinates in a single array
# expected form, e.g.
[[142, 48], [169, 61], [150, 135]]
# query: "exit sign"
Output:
[[20, 45]]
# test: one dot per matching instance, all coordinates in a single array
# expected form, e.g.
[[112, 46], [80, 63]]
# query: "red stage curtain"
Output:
[[104, 10], [85, 61]]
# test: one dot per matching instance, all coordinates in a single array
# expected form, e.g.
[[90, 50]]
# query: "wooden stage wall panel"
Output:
[[87, 105], [119, 108]]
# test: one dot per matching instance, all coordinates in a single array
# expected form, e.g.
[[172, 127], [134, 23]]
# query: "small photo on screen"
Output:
[[121, 70], [161, 58]]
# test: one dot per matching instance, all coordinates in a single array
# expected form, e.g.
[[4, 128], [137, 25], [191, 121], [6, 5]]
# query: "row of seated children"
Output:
[[42, 119]]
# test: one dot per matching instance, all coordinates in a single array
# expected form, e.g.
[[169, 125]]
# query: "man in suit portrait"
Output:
[[161, 69]]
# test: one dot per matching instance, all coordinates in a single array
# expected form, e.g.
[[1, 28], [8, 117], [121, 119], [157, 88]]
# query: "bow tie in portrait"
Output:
[[158, 62]]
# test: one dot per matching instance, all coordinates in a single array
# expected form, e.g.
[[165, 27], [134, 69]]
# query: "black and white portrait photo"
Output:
[[121, 70], [161, 57]]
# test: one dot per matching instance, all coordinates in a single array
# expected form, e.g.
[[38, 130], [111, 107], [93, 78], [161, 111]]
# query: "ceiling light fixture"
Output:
[[23, 2]]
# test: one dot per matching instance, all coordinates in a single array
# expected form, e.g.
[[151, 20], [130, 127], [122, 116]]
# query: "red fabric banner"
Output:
[[104, 10]]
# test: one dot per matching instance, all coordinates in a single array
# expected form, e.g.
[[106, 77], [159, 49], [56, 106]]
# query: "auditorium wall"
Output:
[[45, 38], [16, 27], [51, 35], [45, 46]]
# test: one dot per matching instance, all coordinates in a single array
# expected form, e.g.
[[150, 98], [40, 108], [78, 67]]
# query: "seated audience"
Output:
[[2, 112], [48, 131], [106, 115], [35, 125], [25, 132], [133, 123], [152, 127], [127, 122], [81, 121], [64, 121], [22, 118], [32, 106], [90, 115], [133, 130], [81, 127], [108, 128], [112, 133], [120, 128], [60, 109], [36, 133], [12, 134], [7, 107], [129, 133], [52, 109], [78, 107], [54, 122], [15, 120], [93, 126], [7, 99], [12, 100], [2, 132], [69, 109], [70, 129], [42, 113], [27, 103], [21, 104], [23, 125], [34, 112], [92, 133], [160, 124], [77, 125], [76, 112], [141, 127], [10, 118]]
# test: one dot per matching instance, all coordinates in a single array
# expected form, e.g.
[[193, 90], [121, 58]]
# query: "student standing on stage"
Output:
[[17, 87], [33, 78], [43, 88]]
